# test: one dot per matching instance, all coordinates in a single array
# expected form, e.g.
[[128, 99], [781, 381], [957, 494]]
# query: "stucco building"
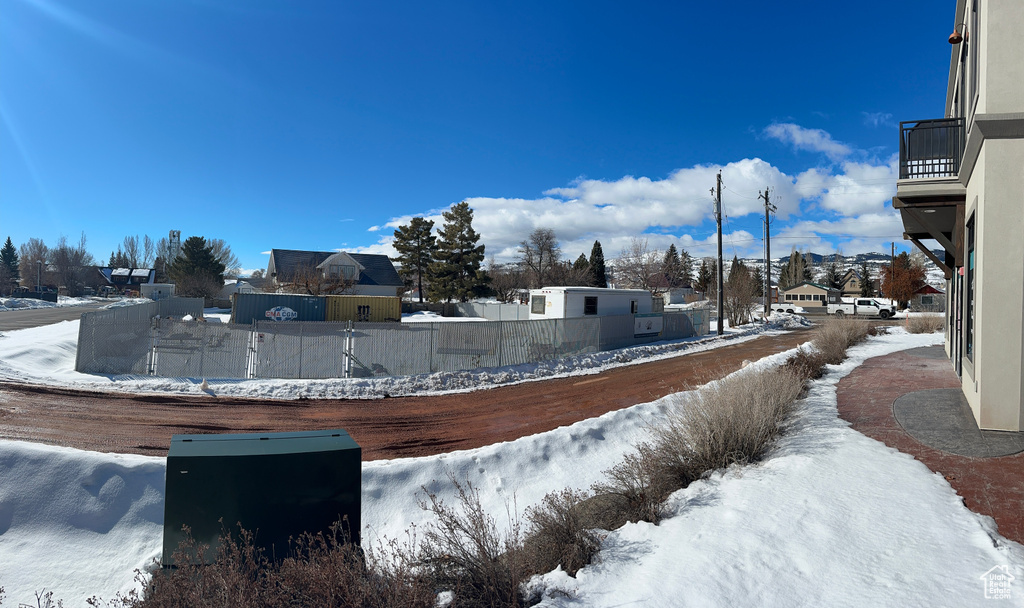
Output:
[[962, 184]]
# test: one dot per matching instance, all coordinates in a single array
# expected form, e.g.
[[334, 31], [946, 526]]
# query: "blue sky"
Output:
[[324, 125]]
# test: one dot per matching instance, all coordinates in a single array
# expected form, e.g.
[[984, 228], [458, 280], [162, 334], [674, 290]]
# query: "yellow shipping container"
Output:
[[362, 309]]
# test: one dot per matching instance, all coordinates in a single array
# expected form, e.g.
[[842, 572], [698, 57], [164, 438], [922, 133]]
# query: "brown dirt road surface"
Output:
[[385, 428]]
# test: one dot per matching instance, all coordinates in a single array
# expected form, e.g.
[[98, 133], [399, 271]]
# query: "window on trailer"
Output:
[[633, 307], [590, 305], [537, 305]]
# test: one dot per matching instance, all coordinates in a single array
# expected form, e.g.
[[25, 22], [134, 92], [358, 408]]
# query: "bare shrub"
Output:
[[732, 421], [926, 323], [834, 336], [806, 363], [322, 570], [464, 553], [634, 489], [560, 533]]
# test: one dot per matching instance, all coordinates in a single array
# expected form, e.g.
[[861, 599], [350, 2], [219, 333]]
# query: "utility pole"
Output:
[[892, 270], [768, 208], [718, 218]]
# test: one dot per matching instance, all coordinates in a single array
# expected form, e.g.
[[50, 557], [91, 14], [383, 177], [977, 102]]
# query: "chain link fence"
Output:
[[120, 340], [134, 343]]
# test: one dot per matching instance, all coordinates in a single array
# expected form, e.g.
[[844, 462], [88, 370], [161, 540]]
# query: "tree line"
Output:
[[198, 268]]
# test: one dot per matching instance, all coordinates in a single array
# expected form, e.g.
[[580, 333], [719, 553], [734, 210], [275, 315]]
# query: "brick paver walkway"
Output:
[[990, 486]]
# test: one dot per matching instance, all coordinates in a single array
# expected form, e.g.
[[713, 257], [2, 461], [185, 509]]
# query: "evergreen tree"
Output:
[[832, 278], [685, 269], [866, 289], [197, 272], [758, 277], [671, 268], [456, 273], [416, 247], [795, 271], [581, 270], [705, 277], [10, 271], [597, 265]]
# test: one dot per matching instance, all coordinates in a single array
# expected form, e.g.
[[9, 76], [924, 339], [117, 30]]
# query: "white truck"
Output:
[[861, 307]]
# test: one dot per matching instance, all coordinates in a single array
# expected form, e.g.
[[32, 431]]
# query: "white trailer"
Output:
[[568, 302]]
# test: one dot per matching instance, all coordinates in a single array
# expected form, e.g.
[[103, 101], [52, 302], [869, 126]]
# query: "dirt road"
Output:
[[385, 428]]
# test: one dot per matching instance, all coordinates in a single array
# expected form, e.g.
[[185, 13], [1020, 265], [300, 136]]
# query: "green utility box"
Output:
[[276, 485]]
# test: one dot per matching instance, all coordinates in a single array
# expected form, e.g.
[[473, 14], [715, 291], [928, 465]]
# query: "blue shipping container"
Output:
[[283, 307]]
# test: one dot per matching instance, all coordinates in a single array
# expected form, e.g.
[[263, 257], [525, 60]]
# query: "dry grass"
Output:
[[561, 533], [732, 421], [834, 336], [925, 323]]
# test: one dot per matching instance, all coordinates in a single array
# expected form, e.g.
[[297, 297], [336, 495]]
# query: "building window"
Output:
[[590, 305], [970, 289], [803, 297], [537, 305], [927, 300], [632, 307]]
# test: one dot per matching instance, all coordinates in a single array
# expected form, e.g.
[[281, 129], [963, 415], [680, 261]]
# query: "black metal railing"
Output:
[[931, 148]]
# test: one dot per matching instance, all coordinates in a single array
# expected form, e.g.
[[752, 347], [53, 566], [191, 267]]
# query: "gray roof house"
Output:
[[361, 273]]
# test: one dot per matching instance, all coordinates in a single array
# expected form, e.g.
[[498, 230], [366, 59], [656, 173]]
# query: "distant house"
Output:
[[128, 278], [810, 294], [353, 273], [928, 299], [851, 283]]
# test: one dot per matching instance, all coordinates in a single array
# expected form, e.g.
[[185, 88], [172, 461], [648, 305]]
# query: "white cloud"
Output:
[[878, 119], [860, 188], [815, 140]]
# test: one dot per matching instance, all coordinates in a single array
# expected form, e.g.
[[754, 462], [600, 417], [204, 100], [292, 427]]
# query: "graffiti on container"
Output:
[[281, 313]]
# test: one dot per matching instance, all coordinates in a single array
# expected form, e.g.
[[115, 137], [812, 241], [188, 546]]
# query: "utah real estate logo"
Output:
[[997, 583]]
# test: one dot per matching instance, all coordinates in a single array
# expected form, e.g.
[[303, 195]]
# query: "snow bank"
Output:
[[76, 523], [31, 303]]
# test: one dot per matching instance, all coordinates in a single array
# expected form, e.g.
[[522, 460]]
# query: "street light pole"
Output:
[[39, 272]]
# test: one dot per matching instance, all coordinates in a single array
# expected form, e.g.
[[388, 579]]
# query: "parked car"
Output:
[[787, 307], [862, 307]]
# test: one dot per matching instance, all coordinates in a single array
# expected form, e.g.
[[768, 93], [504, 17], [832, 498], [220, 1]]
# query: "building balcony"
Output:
[[931, 148], [929, 194]]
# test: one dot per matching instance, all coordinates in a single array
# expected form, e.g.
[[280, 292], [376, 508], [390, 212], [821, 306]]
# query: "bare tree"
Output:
[[147, 252], [506, 280], [740, 292], [71, 263], [539, 254], [30, 254], [132, 253], [222, 251], [313, 281], [640, 268]]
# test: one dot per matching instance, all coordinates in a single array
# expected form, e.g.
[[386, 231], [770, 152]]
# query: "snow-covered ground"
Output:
[[46, 355], [831, 518], [28, 303]]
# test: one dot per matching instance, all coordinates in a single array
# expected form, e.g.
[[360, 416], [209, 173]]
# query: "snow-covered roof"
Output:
[[121, 272]]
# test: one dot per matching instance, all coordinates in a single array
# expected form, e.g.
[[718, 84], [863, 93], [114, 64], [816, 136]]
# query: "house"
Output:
[[124, 279], [960, 184], [810, 294], [928, 299], [337, 271], [851, 283]]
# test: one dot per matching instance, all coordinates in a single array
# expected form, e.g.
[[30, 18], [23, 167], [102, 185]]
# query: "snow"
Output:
[[30, 303], [426, 316], [830, 518], [46, 355]]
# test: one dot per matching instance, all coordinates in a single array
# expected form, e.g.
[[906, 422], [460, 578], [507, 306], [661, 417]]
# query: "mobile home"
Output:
[[567, 302]]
